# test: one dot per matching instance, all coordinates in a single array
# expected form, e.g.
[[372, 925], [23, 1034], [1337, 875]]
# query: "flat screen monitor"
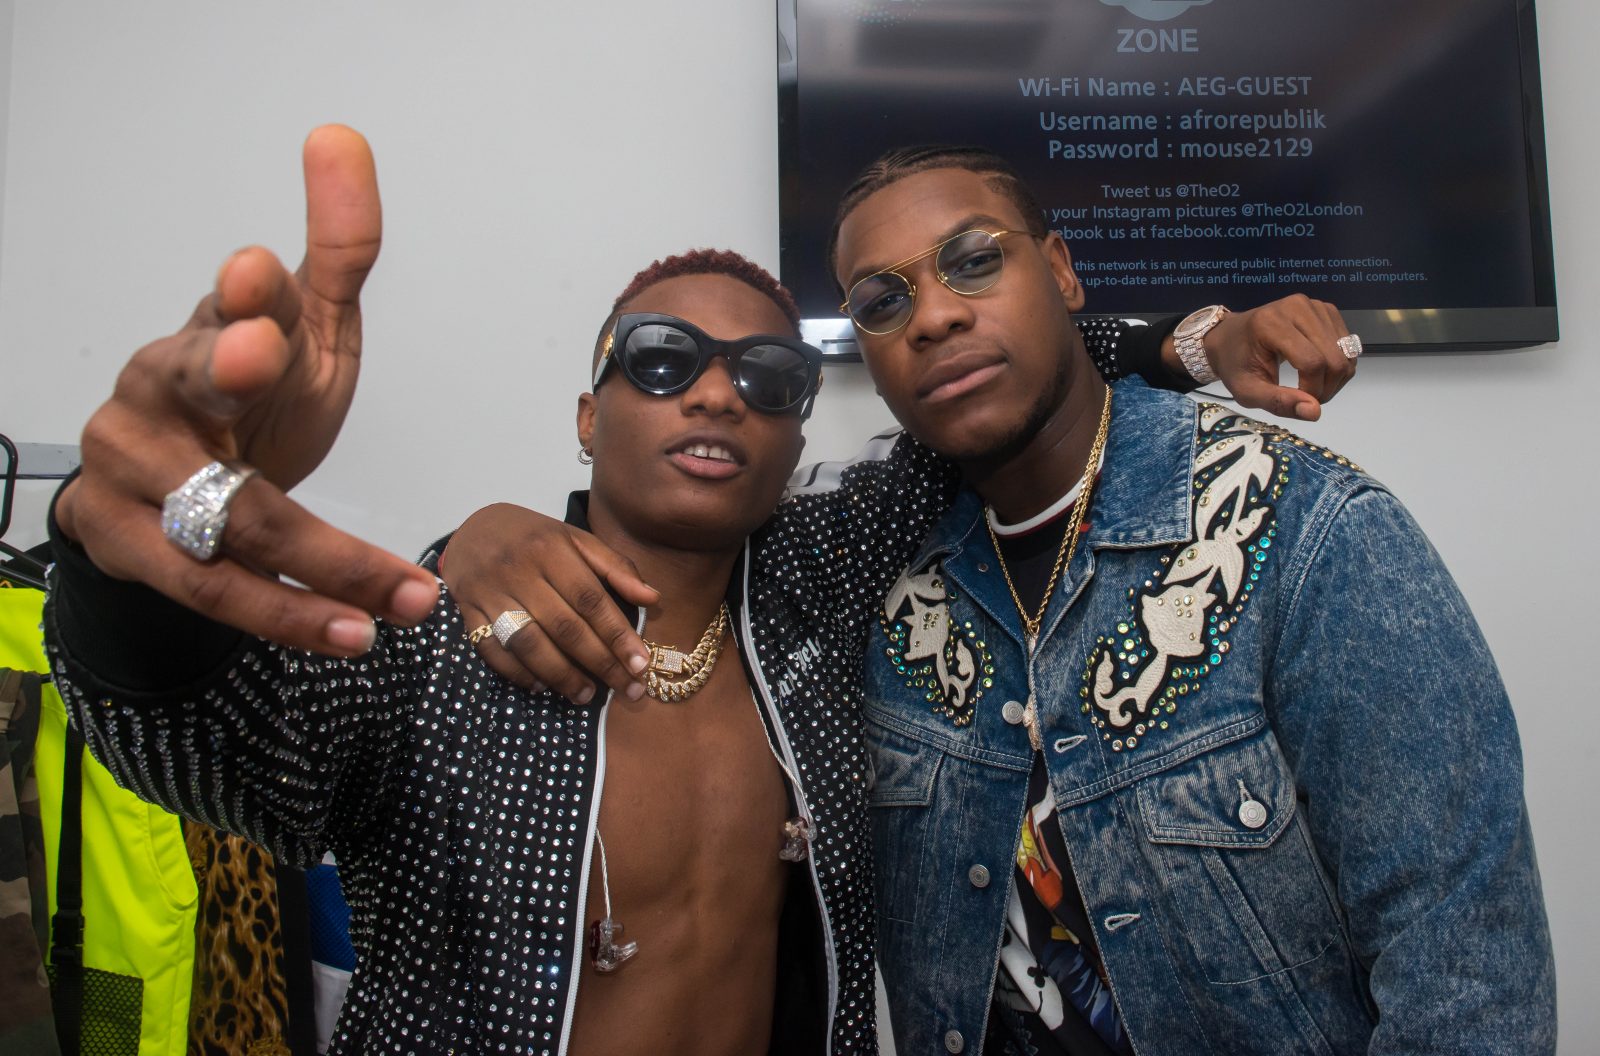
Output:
[[1384, 155]]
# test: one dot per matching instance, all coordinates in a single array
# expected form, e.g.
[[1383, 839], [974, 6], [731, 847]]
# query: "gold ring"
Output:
[[508, 623], [478, 634]]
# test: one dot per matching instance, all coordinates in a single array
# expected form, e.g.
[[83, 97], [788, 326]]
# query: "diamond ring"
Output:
[[194, 514], [508, 623], [1350, 345]]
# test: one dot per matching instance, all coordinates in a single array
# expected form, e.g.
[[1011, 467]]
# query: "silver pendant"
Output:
[[797, 837], [607, 953], [1030, 716]]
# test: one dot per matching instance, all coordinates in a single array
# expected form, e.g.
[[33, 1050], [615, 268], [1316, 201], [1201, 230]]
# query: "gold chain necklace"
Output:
[[1069, 546], [674, 675], [1069, 542]]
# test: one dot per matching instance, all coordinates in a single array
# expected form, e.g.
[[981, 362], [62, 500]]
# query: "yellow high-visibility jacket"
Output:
[[139, 891]]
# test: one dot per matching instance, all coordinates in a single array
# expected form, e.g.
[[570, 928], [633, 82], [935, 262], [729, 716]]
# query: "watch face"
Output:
[[1202, 320]]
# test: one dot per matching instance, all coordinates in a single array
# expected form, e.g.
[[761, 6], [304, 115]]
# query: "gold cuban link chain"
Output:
[[674, 675]]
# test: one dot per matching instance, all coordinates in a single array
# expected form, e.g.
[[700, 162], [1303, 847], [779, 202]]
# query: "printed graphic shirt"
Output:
[[1050, 974]]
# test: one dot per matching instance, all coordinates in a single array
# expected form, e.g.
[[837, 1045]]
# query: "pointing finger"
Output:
[[344, 218]]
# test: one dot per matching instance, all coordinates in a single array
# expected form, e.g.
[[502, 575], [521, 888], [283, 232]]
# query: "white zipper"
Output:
[[794, 782], [793, 769], [575, 965]]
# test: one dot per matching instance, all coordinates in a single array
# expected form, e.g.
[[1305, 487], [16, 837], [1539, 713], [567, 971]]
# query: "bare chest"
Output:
[[693, 802]]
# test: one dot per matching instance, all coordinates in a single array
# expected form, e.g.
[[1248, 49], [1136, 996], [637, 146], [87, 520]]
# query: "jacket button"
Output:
[[953, 1041], [1253, 814], [1013, 712], [979, 876]]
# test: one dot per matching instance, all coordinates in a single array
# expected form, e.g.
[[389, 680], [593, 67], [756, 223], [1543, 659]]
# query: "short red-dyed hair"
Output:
[[713, 262]]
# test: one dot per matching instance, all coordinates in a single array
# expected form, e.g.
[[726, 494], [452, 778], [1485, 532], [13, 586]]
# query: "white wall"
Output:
[[7, 18], [532, 159]]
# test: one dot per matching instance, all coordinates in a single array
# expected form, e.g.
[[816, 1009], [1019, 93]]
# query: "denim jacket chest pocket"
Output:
[[1237, 868]]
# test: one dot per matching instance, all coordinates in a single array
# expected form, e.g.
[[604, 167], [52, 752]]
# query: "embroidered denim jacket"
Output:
[[1288, 774]]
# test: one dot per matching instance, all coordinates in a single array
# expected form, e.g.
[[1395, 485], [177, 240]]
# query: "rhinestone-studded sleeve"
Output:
[[291, 750], [1121, 349], [849, 528], [1101, 336]]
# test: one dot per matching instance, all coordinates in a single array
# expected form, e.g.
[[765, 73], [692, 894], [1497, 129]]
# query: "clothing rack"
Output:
[[28, 462], [47, 461]]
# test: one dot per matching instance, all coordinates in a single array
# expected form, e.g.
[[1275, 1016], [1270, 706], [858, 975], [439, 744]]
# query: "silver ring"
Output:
[[1350, 345], [508, 623], [195, 513]]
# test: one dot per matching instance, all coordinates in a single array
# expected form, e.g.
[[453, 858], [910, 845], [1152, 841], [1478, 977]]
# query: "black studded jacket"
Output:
[[461, 807]]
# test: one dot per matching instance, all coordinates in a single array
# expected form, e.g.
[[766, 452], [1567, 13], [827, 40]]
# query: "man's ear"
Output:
[[588, 411], [1059, 260]]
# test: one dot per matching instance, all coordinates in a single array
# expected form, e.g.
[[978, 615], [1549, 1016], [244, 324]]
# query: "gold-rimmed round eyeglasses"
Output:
[[967, 263]]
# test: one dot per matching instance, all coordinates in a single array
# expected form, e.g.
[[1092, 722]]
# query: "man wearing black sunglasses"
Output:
[[1138, 783], [715, 898], [500, 901], [663, 355]]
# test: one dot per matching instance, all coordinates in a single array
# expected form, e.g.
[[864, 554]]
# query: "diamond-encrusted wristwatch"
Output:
[[1187, 340]]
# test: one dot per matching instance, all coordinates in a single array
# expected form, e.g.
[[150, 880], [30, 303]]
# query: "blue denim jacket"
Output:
[[1288, 775]]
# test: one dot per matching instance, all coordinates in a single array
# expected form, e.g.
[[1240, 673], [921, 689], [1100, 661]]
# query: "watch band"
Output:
[[1188, 341]]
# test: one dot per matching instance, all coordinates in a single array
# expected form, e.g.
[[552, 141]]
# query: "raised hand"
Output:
[[261, 375], [505, 557], [1246, 348]]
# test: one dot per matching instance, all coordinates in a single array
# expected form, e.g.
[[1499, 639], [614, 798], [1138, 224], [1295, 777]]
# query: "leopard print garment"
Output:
[[240, 1003]]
